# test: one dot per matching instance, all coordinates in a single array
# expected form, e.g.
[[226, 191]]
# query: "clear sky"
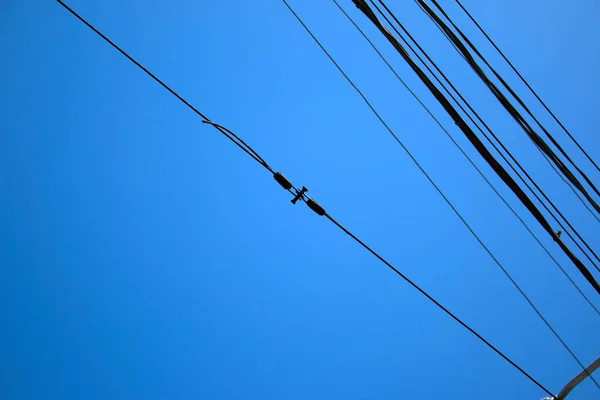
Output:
[[143, 256]]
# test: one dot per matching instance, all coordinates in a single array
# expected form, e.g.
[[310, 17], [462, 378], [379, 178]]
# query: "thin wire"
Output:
[[567, 251], [563, 178], [542, 146], [468, 158], [515, 284], [462, 55], [527, 84], [226, 132], [370, 15], [593, 214], [433, 300], [414, 285]]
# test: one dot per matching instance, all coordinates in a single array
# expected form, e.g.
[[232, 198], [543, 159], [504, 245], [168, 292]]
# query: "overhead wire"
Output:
[[491, 132], [580, 266], [527, 84], [312, 204], [510, 108], [462, 151], [415, 161], [319, 210], [470, 134], [363, 6], [226, 132], [561, 176]]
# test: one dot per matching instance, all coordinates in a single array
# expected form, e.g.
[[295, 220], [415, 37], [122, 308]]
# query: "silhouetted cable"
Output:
[[492, 162], [363, 6], [226, 132], [527, 84], [580, 266], [438, 304], [505, 102], [300, 195], [539, 242], [581, 200], [563, 178]]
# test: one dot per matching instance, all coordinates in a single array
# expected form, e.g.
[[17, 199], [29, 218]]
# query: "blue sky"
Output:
[[142, 256]]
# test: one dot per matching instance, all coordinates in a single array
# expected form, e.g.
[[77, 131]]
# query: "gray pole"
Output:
[[576, 381]]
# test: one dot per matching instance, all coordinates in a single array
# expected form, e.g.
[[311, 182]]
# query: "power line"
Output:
[[459, 51], [505, 102], [468, 158], [515, 284], [527, 84], [480, 147], [226, 132], [493, 135], [489, 130], [363, 6], [300, 195]]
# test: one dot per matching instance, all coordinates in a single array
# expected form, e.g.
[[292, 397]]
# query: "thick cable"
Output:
[[321, 211], [437, 303], [527, 84], [462, 151], [567, 251], [507, 274], [362, 5], [510, 108]]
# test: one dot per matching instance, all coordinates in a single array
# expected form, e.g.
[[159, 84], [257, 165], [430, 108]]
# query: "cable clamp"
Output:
[[298, 194]]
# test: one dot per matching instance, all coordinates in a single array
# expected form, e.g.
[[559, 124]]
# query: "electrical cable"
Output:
[[458, 120], [553, 234], [362, 5], [527, 84], [539, 242], [315, 207], [562, 177], [226, 132], [510, 108]]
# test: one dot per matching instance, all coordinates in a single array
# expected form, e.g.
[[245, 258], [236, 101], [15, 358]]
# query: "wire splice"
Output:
[[316, 207], [299, 194], [472, 136], [283, 181], [286, 184]]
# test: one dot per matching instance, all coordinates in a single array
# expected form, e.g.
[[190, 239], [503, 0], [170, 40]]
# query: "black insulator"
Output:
[[282, 180], [313, 205]]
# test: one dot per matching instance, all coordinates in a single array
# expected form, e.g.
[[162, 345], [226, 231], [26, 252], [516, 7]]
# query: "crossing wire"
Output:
[[580, 266], [542, 146], [365, 9], [527, 83], [437, 121], [320, 211]]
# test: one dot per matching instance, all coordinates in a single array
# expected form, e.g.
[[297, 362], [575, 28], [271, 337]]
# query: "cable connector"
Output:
[[299, 194], [283, 181], [316, 207]]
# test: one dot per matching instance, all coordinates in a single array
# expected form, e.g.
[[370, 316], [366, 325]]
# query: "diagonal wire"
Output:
[[562, 177], [226, 132], [371, 16], [580, 266], [433, 300], [542, 146], [320, 211], [527, 84], [468, 158], [506, 273], [515, 284]]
